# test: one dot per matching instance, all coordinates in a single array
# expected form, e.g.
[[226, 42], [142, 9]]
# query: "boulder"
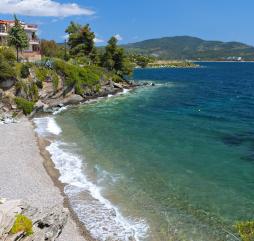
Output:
[[7, 84], [72, 100]]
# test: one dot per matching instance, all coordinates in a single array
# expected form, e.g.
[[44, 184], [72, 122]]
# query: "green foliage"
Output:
[[55, 81], [246, 230], [75, 76], [49, 48], [25, 105], [115, 59], [81, 41], [24, 71], [22, 224], [33, 92], [186, 47], [8, 55], [141, 60], [7, 64], [18, 37], [41, 73]]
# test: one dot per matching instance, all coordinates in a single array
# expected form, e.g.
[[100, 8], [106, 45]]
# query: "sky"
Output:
[[136, 20]]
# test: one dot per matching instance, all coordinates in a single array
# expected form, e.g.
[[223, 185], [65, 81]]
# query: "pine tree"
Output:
[[115, 59], [18, 37], [81, 41]]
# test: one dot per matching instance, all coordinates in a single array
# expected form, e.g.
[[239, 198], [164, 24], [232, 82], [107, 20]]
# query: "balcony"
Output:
[[34, 41], [31, 27]]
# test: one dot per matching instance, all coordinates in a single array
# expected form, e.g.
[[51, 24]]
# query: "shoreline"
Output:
[[23, 175], [54, 174]]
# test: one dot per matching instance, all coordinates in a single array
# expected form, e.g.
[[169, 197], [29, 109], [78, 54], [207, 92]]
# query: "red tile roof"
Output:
[[6, 21]]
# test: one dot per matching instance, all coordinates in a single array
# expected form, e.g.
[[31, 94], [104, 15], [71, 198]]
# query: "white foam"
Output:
[[60, 110], [101, 218], [125, 91], [47, 124]]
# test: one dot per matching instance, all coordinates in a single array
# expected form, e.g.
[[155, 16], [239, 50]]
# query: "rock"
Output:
[[1, 93], [8, 212], [117, 85], [7, 84], [47, 224], [72, 100]]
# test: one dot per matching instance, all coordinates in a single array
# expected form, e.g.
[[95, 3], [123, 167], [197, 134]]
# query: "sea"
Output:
[[169, 161]]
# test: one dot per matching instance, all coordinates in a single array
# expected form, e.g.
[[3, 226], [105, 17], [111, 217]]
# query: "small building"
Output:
[[32, 53]]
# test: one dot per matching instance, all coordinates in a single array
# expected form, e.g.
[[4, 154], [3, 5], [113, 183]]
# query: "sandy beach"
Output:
[[23, 174]]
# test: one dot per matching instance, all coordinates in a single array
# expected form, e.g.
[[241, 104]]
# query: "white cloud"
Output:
[[98, 40], [46, 8], [65, 37], [118, 37]]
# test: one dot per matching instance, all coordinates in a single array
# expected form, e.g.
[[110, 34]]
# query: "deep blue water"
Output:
[[180, 154]]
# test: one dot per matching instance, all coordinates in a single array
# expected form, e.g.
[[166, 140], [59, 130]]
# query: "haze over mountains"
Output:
[[192, 48]]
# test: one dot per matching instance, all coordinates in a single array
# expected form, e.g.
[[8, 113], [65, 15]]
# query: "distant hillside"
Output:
[[185, 47]]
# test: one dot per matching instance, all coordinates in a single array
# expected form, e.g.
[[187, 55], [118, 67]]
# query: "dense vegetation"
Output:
[[185, 47]]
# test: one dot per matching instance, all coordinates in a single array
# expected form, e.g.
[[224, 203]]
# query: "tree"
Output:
[[81, 41], [18, 37], [49, 48], [115, 59]]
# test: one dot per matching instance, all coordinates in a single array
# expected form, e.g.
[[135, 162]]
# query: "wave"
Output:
[[47, 124], [103, 220], [60, 110]]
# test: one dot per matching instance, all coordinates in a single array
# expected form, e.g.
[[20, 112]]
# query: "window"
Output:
[[2, 28]]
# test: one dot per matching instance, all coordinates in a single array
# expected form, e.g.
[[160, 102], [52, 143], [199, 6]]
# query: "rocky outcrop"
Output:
[[47, 224], [7, 84]]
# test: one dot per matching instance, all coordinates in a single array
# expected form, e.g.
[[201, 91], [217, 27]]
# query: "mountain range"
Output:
[[192, 48]]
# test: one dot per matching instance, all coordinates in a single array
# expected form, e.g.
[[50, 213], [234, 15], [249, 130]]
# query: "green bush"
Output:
[[41, 73], [246, 230], [76, 76], [24, 71], [33, 92], [7, 64], [22, 224], [55, 80], [25, 105]]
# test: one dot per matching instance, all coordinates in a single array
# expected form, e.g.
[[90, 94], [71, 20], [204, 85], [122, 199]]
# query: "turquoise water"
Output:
[[179, 155]]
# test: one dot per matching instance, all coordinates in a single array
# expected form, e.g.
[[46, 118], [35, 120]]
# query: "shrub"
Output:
[[41, 73], [33, 92], [24, 71], [76, 76], [8, 55], [24, 105], [7, 64], [55, 80], [22, 224], [246, 230]]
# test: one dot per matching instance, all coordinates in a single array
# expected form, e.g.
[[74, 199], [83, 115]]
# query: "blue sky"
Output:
[[135, 20]]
